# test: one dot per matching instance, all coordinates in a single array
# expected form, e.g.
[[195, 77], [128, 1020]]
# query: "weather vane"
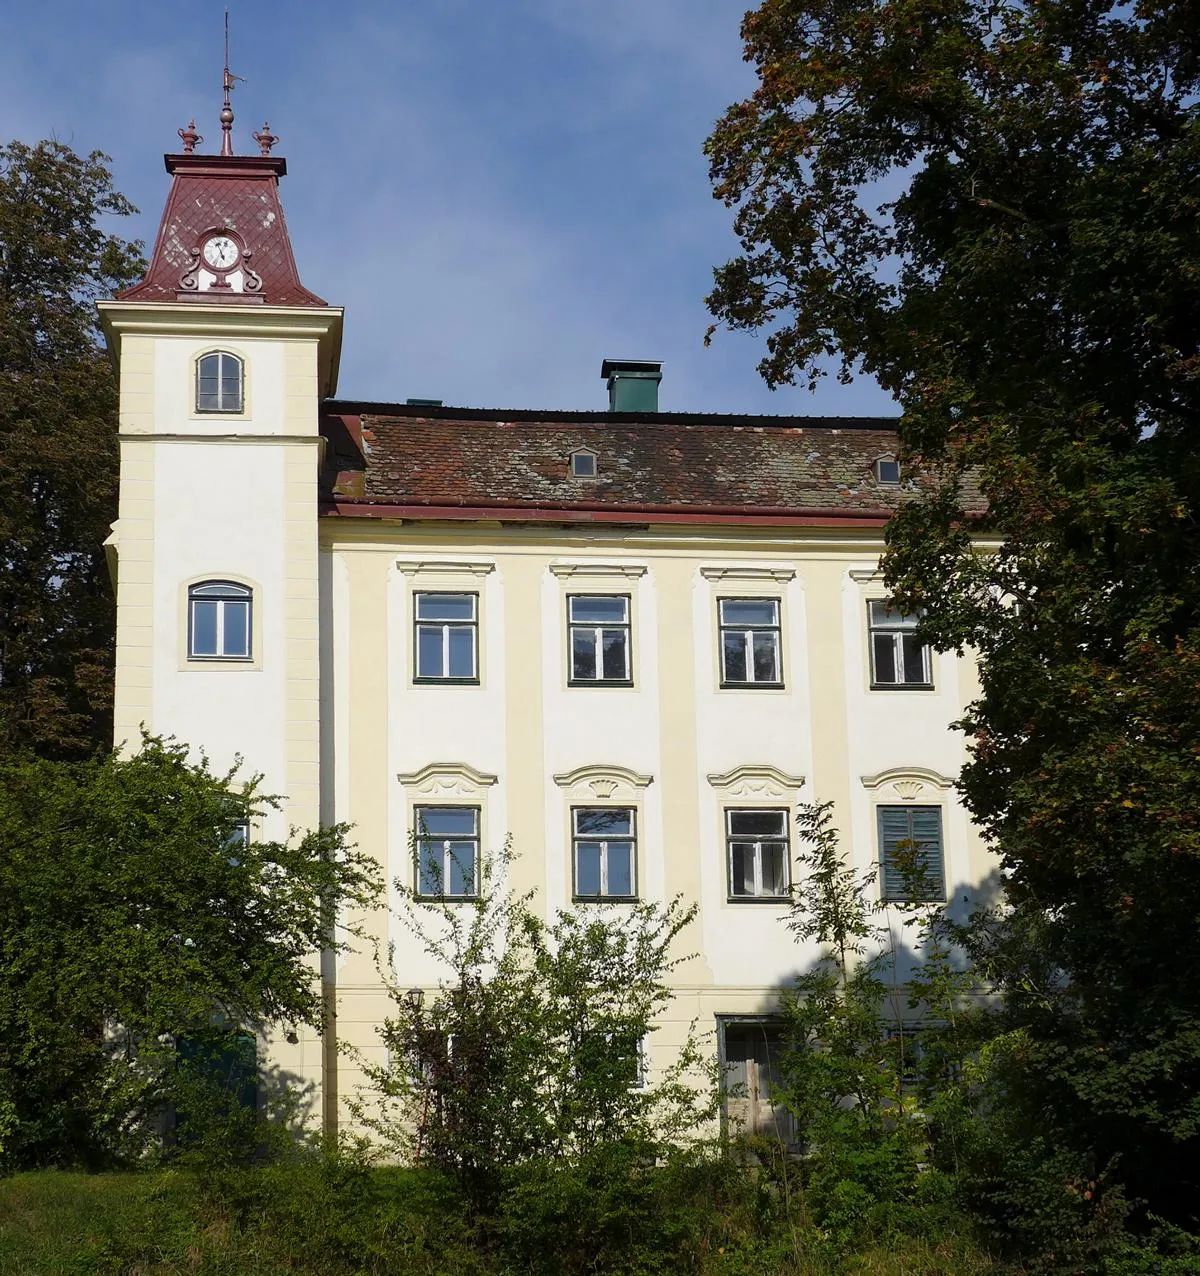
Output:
[[227, 110]]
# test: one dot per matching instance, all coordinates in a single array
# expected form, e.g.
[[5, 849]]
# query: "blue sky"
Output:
[[500, 192]]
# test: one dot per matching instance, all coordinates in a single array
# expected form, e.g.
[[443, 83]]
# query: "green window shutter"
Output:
[[899, 828]]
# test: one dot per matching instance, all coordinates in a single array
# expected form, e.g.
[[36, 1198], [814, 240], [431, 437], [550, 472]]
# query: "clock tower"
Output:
[[223, 357]]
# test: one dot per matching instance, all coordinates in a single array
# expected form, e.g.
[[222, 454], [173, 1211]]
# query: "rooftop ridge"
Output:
[[601, 416]]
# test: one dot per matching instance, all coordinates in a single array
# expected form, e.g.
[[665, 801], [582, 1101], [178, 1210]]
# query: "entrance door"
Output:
[[752, 1050]]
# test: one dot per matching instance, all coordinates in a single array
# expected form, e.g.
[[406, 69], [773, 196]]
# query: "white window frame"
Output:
[[759, 895], [224, 379], [239, 595], [445, 626], [748, 632], [878, 468], [421, 837], [580, 454], [632, 839], [903, 625], [598, 631]]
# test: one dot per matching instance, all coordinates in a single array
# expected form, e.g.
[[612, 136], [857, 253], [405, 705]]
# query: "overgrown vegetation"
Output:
[[58, 446], [992, 207], [137, 928]]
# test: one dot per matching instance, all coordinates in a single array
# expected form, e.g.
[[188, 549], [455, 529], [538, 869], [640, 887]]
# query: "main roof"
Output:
[[400, 460]]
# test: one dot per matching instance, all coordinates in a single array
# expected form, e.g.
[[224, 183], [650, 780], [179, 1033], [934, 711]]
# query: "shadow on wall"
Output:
[[750, 1046]]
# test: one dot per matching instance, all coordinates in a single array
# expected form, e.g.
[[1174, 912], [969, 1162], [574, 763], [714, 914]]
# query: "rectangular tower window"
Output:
[[447, 636], [911, 858], [757, 846], [447, 851], [898, 657], [750, 642], [604, 843], [599, 635]]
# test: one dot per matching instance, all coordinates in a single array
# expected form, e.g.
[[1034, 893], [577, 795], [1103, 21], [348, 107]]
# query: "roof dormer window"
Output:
[[887, 471], [219, 382], [583, 463]]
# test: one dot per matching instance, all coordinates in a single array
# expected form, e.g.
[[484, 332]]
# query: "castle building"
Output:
[[631, 640]]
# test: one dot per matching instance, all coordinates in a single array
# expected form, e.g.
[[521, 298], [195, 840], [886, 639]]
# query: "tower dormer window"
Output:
[[583, 463], [219, 383], [887, 471]]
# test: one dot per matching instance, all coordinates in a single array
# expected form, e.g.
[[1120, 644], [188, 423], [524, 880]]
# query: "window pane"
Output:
[[620, 868], [220, 589], [445, 606], [429, 651], [884, 647], [758, 823], [603, 822], [583, 653], [231, 383], [766, 657], [741, 868], [593, 609], [462, 868], [914, 659], [774, 868], [447, 821], [462, 651], [615, 665], [749, 611], [587, 868], [204, 628], [583, 464], [429, 868], [208, 367], [237, 628], [734, 645]]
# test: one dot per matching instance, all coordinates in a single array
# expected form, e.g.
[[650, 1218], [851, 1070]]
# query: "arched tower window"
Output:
[[219, 382], [219, 621]]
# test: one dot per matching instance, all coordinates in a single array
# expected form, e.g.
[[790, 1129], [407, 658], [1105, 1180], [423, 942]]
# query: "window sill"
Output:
[[239, 662], [445, 682], [758, 899], [604, 899], [446, 899], [904, 900], [753, 686], [903, 686], [600, 682]]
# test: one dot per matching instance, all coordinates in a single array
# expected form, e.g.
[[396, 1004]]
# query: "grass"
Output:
[[321, 1220]]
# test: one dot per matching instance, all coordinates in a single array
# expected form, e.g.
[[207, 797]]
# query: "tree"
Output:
[[58, 446], [992, 208], [523, 1079], [136, 915]]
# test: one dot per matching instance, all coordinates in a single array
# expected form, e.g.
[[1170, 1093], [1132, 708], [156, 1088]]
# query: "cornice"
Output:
[[447, 777], [192, 318], [444, 567], [908, 782], [746, 572], [603, 778], [631, 571], [761, 778]]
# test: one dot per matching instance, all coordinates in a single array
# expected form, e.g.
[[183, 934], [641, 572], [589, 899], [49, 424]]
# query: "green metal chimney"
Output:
[[632, 384]]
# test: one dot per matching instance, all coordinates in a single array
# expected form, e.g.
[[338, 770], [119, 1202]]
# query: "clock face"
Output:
[[220, 252]]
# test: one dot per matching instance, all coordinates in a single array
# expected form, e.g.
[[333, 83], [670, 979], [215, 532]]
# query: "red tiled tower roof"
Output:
[[210, 193]]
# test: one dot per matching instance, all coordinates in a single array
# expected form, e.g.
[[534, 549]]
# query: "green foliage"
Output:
[[523, 1074], [858, 1074], [993, 208], [58, 446], [129, 921], [336, 1217]]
